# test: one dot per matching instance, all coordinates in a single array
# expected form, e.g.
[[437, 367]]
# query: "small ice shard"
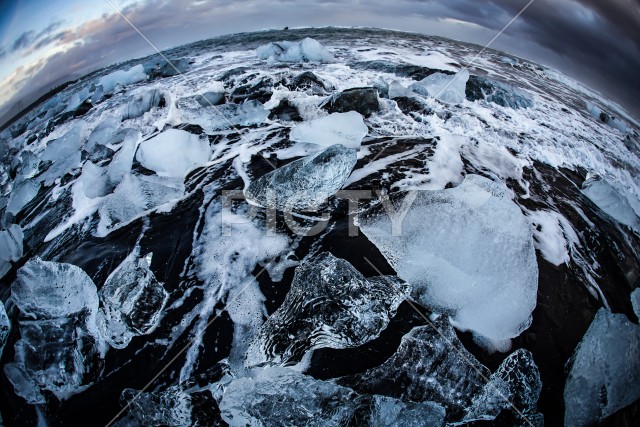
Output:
[[5, 327], [29, 164], [65, 146], [168, 69], [131, 301], [173, 152], [306, 183], [101, 135], [121, 77], [330, 305], [515, 387], [306, 50], [22, 194], [604, 371], [23, 385], [171, 407], [60, 347], [134, 196], [284, 397], [363, 100], [93, 180], [445, 258], [143, 103], [610, 201], [396, 90], [347, 129], [208, 99], [444, 87], [212, 118], [430, 365], [10, 247]]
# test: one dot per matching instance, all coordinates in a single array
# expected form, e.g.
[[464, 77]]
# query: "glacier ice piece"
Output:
[[212, 118], [93, 180], [101, 134], [134, 196], [604, 371], [500, 93], [635, 302], [426, 368], [10, 247], [59, 347], [121, 77], [600, 192], [5, 327], [468, 252], [132, 301], [444, 87], [284, 397], [173, 152], [65, 154], [143, 103], [516, 383], [397, 89], [22, 194], [306, 50], [306, 183], [122, 161], [171, 407], [347, 129], [330, 305], [29, 164]]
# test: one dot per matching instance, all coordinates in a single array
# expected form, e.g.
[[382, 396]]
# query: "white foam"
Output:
[[553, 236]]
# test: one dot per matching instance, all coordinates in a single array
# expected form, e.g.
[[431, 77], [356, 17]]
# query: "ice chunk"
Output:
[[29, 164], [347, 129], [212, 118], [306, 183], [65, 154], [283, 397], [10, 247], [604, 370], [101, 134], [430, 365], [515, 387], [507, 96], [134, 196], [468, 252], [396, 89], [132, 301], [171, 407], [93, 180], [143, 103], [60, 344], [121, 77], [307, 50], [330, 305], [22, 194], [173, 152], [444, 87], [635, 302], [5, 327], [600, 192], [122, 161]]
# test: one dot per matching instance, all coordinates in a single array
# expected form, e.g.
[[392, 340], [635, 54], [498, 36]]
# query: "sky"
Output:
[[45, 42]]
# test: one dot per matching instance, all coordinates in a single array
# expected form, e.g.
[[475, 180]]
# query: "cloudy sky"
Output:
[[45, 42]]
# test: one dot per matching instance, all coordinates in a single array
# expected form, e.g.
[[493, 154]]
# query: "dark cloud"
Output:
[[594, 41]]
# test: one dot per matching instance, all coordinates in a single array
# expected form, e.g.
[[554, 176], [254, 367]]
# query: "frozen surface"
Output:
[[446, 258], [134, 196], [283, 397], [600, 192], [10, 247], [347, 129], [171, 407], [173, 152], [121, 77], [5, 327], [444, 87], [59, 345], [604, 370], [330, 305], [304, 184], [132, 301], [306, 50]]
